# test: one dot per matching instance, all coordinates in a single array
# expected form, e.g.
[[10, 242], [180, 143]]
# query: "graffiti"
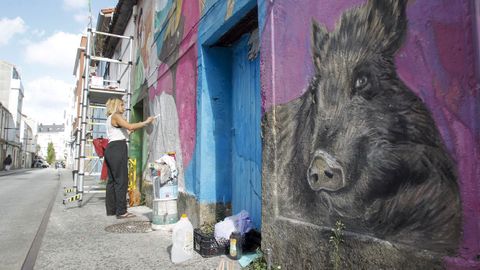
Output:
[[161, 55], [230, 6], [146, 61], [145, 38], [172, 34], [359, 146]]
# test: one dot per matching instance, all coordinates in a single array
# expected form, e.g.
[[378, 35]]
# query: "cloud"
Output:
[[58, 50], [75, 4], [81, 17], [46, 99], [38, 33], [10, 27]]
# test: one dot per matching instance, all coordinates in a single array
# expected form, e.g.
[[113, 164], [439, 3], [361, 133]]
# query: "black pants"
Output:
[[116, 157]]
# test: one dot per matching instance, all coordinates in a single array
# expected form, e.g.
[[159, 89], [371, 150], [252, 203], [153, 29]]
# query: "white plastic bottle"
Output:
[[182, 240]]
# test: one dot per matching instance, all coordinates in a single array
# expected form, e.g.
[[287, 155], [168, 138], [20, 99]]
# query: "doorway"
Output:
[[232, 94]]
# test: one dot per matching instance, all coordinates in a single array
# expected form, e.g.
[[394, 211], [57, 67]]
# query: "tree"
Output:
[[50, 153]]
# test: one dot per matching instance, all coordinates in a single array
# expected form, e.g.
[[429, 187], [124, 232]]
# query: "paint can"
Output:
[[168, 191], [164, 212]]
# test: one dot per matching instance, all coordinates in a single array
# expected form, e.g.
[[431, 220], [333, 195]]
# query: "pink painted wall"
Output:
[[437, 62], [175, 73]]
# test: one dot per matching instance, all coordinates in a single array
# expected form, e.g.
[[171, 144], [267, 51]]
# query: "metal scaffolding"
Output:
[[96, 91]]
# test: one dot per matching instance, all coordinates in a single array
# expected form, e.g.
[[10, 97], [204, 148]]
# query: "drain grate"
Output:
[[130, 227]]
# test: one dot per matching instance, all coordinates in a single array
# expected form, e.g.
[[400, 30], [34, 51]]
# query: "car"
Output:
[[41, 164], [59, 164]]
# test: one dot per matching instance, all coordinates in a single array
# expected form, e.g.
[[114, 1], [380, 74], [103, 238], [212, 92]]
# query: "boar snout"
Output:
[[325, 173]]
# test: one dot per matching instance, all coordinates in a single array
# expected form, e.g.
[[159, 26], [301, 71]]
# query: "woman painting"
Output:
[[116, 157]]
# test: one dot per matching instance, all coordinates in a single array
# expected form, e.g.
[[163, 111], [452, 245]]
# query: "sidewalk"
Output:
[[76, 238], [14, 171]]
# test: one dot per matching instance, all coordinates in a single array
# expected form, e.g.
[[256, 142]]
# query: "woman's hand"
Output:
[[149, 120]]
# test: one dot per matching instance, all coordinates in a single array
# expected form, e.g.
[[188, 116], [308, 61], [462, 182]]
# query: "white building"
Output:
[[11, 98], [11, 92], [9, 143], [70, 116], [28, 137], [54, 134]]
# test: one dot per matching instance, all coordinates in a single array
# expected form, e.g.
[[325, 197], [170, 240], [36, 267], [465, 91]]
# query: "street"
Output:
[[24, 197], [38, 232]]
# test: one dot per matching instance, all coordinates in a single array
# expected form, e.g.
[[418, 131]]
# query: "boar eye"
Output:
[[361, 82]]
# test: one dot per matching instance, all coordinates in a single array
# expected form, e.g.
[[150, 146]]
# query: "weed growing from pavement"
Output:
[[336, 239], [260, 263]]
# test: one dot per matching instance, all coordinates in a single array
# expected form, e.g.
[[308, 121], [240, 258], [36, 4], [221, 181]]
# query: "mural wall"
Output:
[[369, 117], [165, 74], [373, 130]]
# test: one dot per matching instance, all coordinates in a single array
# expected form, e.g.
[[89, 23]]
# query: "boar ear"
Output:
[[318, 40], [390, 18]]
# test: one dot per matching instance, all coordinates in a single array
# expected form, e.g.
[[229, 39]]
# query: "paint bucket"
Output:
[[164, 212], [169, 191], [172, 154]]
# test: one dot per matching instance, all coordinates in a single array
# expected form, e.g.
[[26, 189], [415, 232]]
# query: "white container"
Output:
[[164, 212], [182, 240]]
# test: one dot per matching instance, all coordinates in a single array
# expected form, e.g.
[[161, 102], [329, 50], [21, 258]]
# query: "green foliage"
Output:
[[50, 153], [260, 263], [208, 228], [336, 239]]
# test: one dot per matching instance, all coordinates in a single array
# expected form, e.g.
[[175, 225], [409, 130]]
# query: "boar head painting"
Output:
[[359, 146]]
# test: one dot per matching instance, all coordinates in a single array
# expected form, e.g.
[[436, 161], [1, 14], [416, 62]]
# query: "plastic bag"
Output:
[[240, 222], [243, 223], [224, 228], [170, 161]]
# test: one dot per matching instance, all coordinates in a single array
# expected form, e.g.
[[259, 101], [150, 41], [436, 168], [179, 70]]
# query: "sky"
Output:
[[41, 37]]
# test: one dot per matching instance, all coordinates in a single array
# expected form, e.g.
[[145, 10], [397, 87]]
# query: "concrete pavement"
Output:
[[25, 197], [15, 171], [75, 238]]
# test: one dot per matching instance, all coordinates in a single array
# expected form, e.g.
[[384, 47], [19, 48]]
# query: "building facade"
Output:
[[51, 134], [11, 92], [11, 98], [8, 140], [313, 115], [28, 138]]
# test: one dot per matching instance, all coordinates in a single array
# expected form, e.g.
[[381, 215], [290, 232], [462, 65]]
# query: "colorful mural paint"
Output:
[[359, 146], [425, 143], [437, 65], [163, 51]]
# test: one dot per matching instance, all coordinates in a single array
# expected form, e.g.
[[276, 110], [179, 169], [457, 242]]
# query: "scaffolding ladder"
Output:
[[95, 94]]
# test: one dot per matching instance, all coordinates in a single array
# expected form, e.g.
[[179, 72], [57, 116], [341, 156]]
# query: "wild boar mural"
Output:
[[359, 146]]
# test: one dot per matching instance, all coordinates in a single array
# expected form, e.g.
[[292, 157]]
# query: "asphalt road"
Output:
[[24, 200]]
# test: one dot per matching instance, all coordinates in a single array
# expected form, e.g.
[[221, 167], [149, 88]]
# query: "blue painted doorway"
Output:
[[229, 149], [246, 138]]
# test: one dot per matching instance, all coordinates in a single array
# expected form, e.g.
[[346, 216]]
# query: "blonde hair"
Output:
[[113, 105]]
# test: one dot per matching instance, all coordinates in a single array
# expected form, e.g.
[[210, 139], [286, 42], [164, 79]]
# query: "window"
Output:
[[15, 74]]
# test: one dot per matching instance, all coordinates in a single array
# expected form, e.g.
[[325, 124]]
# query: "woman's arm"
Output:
[[117, 120]]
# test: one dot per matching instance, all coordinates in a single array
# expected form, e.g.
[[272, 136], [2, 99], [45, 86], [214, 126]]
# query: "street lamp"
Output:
[[10, 128], [6, 137]]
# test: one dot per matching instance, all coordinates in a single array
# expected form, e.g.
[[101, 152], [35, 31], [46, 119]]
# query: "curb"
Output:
[[5, 173]]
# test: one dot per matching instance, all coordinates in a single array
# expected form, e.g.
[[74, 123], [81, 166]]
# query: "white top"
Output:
[[115, 133]]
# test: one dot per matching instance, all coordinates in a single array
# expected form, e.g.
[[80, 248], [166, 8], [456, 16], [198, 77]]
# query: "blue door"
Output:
[[246, 140]]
